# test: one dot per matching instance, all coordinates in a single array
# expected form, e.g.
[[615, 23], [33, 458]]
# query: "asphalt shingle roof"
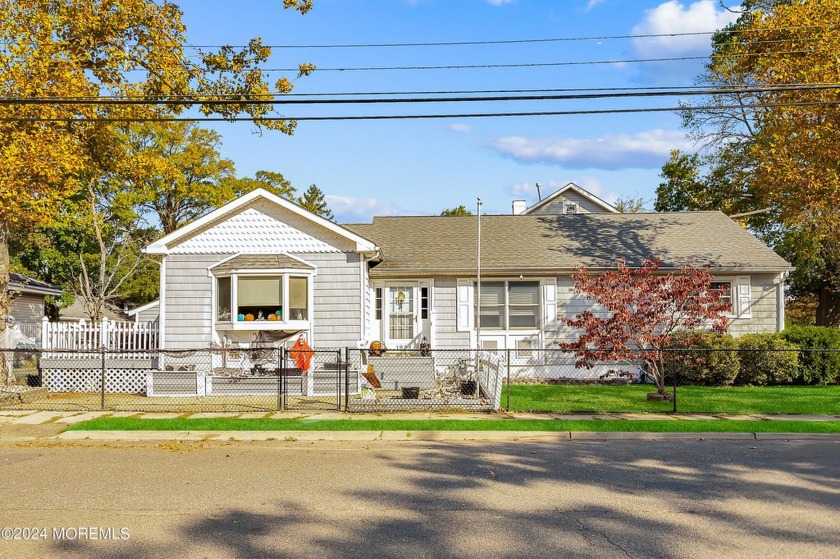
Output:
[[260, 262], [543, 242]]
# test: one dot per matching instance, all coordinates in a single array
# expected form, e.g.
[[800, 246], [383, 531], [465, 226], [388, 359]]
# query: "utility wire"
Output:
[[502, 41], [413, 116], [516, 65], [236, 96], [275, 101]]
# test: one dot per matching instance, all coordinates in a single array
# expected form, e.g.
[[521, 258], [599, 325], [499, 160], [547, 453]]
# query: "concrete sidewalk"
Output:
[[65, 418], [22, 426]]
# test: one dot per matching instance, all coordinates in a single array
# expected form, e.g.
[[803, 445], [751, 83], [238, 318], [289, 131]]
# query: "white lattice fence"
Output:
[[128, 381]]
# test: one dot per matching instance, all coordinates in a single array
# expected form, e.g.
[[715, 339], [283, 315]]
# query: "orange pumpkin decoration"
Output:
[[272, 317], [249, 317]]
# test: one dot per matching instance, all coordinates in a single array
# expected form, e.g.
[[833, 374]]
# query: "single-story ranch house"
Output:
[[263, 264]]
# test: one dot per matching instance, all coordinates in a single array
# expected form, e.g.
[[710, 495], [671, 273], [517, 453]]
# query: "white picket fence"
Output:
[[130, 339]]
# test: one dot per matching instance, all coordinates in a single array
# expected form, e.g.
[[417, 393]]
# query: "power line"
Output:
[[416, 116], [276, 101], [516, 65], [506, 41], [237, 96]]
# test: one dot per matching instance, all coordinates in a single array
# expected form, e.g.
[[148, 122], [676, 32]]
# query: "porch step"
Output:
[[398, 371]]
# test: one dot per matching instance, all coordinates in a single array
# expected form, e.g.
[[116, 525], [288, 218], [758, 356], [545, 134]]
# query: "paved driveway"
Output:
[[293, 499]]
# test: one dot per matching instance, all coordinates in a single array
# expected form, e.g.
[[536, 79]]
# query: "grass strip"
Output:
[[623, 425], [821, 400]]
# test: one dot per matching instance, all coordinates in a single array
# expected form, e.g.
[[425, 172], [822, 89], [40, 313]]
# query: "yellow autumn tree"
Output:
[[58, 55], [778, 149]]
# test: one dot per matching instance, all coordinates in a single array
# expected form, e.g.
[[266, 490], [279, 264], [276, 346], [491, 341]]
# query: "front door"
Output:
[[401, 316]]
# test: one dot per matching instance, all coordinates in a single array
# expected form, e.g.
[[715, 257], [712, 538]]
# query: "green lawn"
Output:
[[232, 424], [822, 400]]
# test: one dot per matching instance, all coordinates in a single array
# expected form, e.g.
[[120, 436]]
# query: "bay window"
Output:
[[270, 299], [298, 298]]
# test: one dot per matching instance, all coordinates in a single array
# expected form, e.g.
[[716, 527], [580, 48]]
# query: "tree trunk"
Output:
[[828, 307], [5, 269]]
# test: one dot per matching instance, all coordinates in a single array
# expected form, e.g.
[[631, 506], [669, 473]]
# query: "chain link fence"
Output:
[[272, 379]]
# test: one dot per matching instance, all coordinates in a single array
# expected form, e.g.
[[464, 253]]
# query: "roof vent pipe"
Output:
[[539, 195]]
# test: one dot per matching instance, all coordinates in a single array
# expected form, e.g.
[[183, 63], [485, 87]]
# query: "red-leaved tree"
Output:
[[642, 309]]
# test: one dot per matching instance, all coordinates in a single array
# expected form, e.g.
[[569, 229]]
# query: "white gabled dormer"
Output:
[[570, 199]]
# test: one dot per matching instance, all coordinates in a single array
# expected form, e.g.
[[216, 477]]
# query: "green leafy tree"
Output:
[[172, 171], [460, 210], [271, 181], [313, 200], [66, 48], [630, 205]]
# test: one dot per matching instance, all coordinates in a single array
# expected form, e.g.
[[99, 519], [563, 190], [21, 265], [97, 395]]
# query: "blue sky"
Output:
[[423, 166]]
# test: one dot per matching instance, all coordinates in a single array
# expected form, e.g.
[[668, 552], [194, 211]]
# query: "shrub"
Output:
[[709, 359], [767, 359], [816, 367]]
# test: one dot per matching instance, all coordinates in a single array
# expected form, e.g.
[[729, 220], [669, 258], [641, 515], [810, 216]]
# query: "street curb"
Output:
[[428, 436], [654, 436], [797, 436]]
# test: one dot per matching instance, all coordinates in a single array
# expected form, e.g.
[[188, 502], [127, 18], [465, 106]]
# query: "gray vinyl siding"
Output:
[[337, 299], [187, 303], [556, 206], [762, 318], [149, 315], [763, 307], [445, 323], [569, 304], [336, 293], [28, 309]]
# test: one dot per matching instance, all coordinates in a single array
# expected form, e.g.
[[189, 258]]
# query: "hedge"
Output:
[[767, 359], [708, 359], [815, 366]]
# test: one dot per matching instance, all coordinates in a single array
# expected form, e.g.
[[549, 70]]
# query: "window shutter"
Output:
[[549, 293], [464, 297], [744, 296]]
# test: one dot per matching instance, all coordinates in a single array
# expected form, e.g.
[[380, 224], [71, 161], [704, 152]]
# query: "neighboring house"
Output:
[[76, 312], [146, 313], [28, 307], [571, 199], [262, 264]]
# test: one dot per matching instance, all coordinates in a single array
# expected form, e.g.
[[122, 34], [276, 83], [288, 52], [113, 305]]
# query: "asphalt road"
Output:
[[323, 500]]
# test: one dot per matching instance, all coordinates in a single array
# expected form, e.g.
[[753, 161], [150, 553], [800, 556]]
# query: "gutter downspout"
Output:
[[478, 274], [780, 301]]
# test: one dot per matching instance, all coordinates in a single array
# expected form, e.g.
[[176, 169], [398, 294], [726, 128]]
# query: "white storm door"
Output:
[[400, 315]]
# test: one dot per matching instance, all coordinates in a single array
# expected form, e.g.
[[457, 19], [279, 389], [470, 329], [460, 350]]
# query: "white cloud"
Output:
[[500, 2], [461, 127], [347, 209], [643, 150], [674, 17], [592, 3]]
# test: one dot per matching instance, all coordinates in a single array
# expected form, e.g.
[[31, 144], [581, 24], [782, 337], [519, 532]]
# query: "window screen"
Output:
[[298, 298], [524, 303]]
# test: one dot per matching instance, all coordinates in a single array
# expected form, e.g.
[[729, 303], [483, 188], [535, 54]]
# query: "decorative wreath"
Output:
[[377, 348]]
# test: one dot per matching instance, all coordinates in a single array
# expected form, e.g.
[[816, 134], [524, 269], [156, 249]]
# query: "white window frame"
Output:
[[732, 309], [507, 327], [571, 206], [285, 324]]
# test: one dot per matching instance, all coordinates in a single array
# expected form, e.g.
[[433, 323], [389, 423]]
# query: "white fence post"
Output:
[[45, 333], [104, 333]]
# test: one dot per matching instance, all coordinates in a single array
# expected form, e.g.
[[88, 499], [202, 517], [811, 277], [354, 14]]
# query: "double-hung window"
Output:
[[725, 290], [509, 305]]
